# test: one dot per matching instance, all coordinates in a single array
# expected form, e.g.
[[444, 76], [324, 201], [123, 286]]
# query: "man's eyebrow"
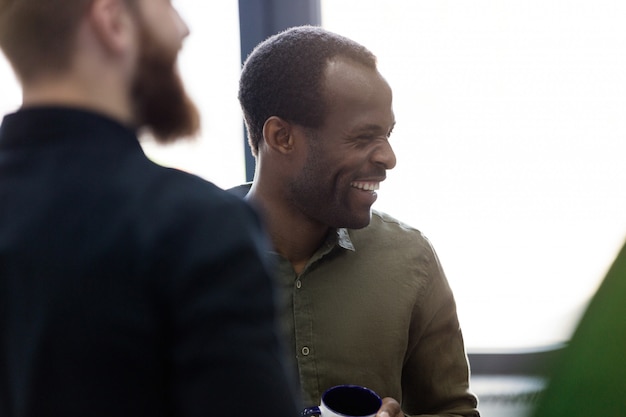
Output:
[[372, 128]]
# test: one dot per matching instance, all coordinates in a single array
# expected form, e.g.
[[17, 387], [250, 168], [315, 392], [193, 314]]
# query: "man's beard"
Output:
[[160, 101]]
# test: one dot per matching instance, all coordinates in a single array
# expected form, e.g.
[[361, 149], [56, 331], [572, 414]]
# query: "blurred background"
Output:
[[510, 141]]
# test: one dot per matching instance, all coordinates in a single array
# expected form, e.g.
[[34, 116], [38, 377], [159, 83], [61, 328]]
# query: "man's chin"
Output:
[[185, 129], [162, 105], [358, 220], [168, 117]]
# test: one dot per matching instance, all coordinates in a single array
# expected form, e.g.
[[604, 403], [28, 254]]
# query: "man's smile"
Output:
[[366, 185]]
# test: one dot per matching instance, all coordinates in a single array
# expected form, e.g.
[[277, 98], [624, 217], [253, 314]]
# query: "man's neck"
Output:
[[294, 236], [75, 93]]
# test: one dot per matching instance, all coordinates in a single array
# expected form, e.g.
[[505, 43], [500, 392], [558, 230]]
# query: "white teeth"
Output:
[[366, 186]]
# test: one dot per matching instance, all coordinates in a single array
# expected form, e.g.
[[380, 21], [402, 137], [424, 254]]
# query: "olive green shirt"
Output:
[[373, 307]]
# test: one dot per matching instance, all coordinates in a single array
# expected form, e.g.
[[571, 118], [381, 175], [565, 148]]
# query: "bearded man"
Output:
[[126, 288]]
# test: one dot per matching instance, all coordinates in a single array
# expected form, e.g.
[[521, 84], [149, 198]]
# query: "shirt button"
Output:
[[306, 351], [298, 284]]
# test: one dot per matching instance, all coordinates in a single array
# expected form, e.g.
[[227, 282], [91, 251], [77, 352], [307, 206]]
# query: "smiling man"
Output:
[[365, 300]]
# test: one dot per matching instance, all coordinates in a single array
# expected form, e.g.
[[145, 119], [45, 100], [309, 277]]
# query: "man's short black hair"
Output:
[[283, 77]]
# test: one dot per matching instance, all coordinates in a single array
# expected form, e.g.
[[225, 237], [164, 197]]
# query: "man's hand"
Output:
[[390, 408]]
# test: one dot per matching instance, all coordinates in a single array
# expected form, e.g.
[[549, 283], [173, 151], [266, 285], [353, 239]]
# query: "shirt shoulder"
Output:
[[167, 207], [385, 230]]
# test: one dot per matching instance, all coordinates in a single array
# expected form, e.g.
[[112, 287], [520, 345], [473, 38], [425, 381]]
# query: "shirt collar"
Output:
[[339, 238], [49, 124], [336, 238], [343, 239]]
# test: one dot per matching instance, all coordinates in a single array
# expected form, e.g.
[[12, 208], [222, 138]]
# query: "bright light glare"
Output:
[[10, 93], [510, 139], [210, 66]]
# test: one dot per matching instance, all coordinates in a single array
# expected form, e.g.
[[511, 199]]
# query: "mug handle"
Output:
[[311, 411]]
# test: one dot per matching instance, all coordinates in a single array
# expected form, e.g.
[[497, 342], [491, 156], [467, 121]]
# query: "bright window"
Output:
[[510, 141], [10, 95], [210, 64]]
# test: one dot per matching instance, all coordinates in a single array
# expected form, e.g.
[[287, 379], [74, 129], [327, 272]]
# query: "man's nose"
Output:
[[183, 28], [384, 155]]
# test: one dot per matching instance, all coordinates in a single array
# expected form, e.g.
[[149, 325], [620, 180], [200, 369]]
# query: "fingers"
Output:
[[390, 408]]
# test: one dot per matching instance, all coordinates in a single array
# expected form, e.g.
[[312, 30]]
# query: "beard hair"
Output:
[[160, 101]]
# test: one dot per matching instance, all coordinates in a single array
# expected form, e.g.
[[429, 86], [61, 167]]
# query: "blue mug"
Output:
[[346, 401]]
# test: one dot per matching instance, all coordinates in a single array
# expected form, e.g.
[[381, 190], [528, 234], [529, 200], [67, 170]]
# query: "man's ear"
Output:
[[113, 24], [278, 135]]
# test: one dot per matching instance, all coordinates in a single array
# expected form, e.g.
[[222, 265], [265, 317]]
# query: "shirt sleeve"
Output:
[[435, 379]]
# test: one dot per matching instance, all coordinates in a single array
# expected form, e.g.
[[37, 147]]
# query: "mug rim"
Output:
[[351, 386]]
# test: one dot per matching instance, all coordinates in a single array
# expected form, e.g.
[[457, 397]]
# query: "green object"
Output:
[[590, 378]]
